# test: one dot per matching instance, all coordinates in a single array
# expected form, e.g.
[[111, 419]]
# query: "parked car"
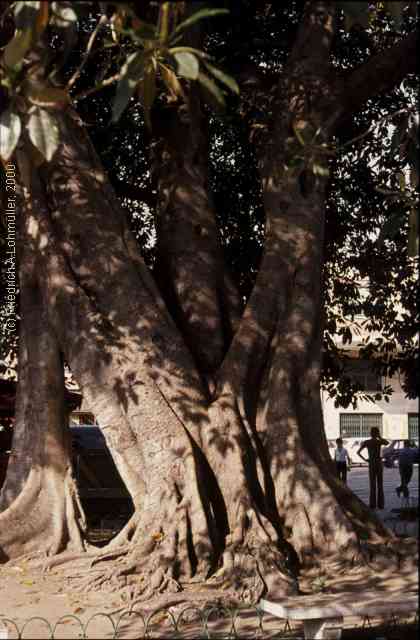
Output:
[[5, 446], [100, 486], [390, 453], [93, 465]]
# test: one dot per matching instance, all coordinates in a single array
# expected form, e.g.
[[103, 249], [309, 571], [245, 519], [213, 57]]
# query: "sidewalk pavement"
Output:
[[358, 481]]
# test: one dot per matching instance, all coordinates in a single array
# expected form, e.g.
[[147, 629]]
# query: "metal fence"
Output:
[[189, 622]]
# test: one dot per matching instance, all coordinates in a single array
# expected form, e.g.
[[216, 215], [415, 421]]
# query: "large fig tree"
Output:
[[211, 408]]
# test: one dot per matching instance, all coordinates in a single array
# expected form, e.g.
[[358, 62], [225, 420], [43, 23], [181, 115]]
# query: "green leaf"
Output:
[[188, 66], [17, 48], [43, 132], [64, 20], [10, 128], [198, 15], [223, 77], [63, 15], [170, 80], [213, 92], [131, 73], [320, 170], [196, 52], [47, 96]]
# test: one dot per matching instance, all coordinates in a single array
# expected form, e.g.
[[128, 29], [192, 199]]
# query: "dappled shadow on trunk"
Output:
[[42, 514], [217, 437], [232, 492], [190, 268]]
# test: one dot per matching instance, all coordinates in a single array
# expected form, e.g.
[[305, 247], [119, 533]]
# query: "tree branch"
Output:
[[374, 125], [381, 73], [101, 23], [97, 87]]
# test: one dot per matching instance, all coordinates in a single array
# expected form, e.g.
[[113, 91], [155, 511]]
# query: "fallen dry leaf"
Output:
[[79, 610]]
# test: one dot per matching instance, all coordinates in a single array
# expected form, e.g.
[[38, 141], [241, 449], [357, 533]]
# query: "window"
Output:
[[358, 425], [413, 426], [361, 373]]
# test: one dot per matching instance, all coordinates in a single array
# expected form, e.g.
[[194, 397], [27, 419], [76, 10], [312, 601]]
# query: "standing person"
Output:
[[341, 457], [376, 479], [406, 459]]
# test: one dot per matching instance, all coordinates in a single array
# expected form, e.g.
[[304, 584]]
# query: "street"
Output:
[[358, 481]]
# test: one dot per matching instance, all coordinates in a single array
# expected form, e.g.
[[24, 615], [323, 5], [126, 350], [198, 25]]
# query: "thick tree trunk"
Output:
[[41, 509], [237, 483], [274, 361], [289, 409], [214, 485], [190, 270], [121, 369], [150, 402]]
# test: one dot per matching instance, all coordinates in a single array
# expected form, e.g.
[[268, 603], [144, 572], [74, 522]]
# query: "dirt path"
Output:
[[26, 592]]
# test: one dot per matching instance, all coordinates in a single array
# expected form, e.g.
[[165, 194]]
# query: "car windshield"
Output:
[[88, 437]]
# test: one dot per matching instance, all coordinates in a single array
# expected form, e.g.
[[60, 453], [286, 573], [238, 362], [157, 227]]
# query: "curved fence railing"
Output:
[[190, 621]]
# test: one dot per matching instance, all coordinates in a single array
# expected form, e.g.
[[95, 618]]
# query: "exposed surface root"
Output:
[[128, 578], [44, 519], [110, 554], [47, 564], [126, 534], [92, 554], [254, 569], [247, 572]]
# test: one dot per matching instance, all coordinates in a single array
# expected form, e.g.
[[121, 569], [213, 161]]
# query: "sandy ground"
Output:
[[26, 593]]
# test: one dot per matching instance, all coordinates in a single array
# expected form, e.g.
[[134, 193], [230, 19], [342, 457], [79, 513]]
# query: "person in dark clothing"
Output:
[[376, 480], [406, 459]]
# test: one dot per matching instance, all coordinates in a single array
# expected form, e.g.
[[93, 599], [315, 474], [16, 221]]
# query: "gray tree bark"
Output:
[[220, 444], [41, 511]]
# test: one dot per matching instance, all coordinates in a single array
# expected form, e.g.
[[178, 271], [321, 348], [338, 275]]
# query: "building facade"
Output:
[[396, 419]]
